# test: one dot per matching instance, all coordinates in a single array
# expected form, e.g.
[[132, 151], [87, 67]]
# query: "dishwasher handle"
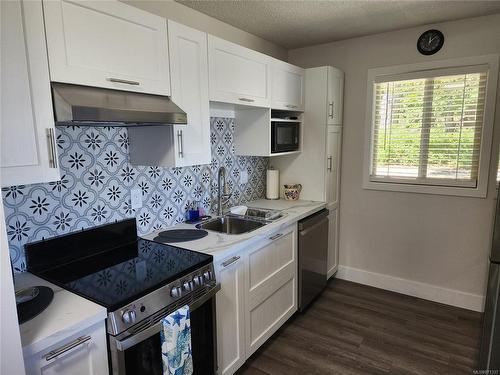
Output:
[[312, 220], [305, 232]]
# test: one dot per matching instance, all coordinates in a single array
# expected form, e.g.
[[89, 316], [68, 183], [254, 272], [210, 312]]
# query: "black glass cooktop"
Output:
[[125, 269]]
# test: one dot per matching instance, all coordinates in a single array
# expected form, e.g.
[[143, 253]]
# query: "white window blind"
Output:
[[427, 127]]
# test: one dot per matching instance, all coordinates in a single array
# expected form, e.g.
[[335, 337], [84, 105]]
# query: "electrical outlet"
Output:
[[243, 176], [136, 198]]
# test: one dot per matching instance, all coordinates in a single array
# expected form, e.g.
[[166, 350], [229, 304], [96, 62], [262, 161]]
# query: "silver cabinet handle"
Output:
[[276, 236], [230, 261], [179, 141], [246, 100], [290, 106], [330, 163], [330, 110], [63, 349], [52, 148], [125, 81]]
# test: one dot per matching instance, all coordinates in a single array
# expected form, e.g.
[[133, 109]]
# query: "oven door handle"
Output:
[[155, 328]]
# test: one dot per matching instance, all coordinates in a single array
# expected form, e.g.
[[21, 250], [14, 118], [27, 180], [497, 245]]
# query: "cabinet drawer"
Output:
[[268, 261], [266, 317], [84, 353]]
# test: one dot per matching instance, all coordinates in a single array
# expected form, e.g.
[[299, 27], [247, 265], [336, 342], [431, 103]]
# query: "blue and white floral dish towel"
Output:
[[176, 343]]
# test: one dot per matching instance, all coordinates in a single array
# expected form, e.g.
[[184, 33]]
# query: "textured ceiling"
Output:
[[294, 24]]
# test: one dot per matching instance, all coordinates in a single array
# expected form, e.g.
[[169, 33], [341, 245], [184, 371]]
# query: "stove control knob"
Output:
[[198, 280], [188, 285], [176, 291], [207, 275], [128, 316]]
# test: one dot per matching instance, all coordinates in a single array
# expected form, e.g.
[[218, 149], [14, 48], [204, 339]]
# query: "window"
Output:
[[430, 130]]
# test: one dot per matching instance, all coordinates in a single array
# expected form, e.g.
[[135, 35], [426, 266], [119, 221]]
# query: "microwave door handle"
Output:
[[127, 343]]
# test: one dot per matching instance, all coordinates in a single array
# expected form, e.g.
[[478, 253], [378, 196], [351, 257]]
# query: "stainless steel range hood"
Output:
[[99, 107]]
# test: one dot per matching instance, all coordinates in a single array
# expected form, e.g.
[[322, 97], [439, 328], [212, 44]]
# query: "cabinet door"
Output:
[[107, 44], [28, 152], [189, 70], [83, 354], [287, 90], [237, 74], [333, 241], [333, 155], [231, 314], [272, 287], [335, 96]]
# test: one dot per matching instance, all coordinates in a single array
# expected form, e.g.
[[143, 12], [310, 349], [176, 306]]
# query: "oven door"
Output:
[[284, 136], [141, 352]]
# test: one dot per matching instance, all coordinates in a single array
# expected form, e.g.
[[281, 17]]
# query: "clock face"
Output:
[[430, 42]]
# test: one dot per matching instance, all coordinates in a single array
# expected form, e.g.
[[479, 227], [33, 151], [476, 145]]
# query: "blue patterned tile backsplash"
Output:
[[96, 182]]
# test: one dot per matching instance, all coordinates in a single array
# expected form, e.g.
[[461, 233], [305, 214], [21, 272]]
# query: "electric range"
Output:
[[138, 281]]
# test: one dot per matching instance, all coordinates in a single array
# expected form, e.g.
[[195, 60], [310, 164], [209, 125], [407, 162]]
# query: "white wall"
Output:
[[11, 355], [190, 17], [438, 240]]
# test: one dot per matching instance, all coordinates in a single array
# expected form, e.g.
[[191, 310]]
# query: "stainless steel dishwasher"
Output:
[[313, 251]]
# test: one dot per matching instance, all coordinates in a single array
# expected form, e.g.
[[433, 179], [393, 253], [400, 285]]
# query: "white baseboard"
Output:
[[413, 288]]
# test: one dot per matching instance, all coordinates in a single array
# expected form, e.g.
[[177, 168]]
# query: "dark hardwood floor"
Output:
[[356, 329]]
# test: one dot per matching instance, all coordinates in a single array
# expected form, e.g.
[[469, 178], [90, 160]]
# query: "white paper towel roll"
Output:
[[273, 184]]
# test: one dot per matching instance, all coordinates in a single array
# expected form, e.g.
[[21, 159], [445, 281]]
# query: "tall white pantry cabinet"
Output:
[[317, 167]]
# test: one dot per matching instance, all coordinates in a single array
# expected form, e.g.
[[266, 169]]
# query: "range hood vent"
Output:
[[99, 107]]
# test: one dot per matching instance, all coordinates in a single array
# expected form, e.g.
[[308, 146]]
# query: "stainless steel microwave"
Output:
[[285, 136]]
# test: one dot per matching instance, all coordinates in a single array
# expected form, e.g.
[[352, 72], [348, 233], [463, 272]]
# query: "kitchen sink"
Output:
[[230, 224]]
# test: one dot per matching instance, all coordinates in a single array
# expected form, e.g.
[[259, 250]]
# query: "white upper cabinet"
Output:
[[107, 44], [180, 145], [28, 149], [287, 91], [237, 74], [335, 96], [189, 69]]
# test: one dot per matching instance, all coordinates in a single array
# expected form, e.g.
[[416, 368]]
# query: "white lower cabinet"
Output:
[[271, 287], [231, 314], [258, 294], [84, 353], [333, 241]]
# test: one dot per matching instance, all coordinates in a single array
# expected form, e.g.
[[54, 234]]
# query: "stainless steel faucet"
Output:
[[223, 191]]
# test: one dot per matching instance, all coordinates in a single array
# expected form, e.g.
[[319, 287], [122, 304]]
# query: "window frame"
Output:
[[402, 71]]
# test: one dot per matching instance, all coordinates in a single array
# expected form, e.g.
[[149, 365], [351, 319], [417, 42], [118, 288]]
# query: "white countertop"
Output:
[[67, 314], [220, 245]]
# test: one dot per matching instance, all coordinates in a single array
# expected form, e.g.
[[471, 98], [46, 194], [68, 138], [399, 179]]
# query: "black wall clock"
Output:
[[430, 42]]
